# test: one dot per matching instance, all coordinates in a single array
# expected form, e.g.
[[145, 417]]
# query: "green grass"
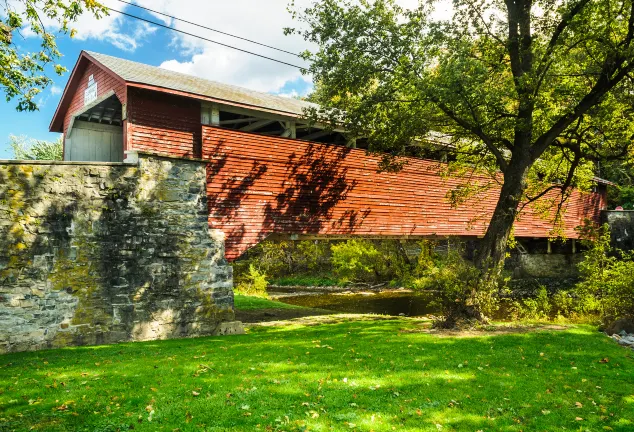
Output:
[[372, 375], [245, 302]]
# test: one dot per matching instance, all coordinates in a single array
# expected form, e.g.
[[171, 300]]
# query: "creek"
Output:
[[388, 302]]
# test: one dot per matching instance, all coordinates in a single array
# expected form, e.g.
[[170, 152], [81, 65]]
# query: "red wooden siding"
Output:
[[259, 185], [163, 123], [106, 82]]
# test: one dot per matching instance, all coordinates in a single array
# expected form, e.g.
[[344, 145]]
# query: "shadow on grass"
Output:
[[347, 376]]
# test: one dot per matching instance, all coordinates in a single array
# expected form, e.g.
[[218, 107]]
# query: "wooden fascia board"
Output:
[[57, 122], [107, 69]]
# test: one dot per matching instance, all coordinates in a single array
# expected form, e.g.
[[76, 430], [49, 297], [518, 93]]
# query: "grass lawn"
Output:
[[358, 375]]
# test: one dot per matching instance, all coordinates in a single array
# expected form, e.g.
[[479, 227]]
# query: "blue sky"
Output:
[[131, 39]]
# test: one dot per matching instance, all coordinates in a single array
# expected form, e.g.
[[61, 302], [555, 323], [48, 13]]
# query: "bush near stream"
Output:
[[608, 277], [604, 293], [328, 263]]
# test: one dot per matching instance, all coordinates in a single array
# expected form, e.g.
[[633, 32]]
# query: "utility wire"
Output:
[[205, 39], [209, 28]]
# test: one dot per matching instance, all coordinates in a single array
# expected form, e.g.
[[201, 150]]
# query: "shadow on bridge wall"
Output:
[[261, 185], [293, 194], [315, 182]]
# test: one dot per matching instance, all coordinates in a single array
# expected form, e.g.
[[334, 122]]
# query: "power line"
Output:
[[205, 39], [209, 28]]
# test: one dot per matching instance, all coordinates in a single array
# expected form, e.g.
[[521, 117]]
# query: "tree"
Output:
[[34, 149], [23, 75], [533, 92], [622, 174]]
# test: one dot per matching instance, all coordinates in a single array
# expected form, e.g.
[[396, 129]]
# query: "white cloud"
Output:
[[256, 20], [291, 94], [55, 90], [259, 21]]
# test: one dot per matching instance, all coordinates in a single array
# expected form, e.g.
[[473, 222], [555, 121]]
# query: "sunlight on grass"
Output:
[[361, 376]]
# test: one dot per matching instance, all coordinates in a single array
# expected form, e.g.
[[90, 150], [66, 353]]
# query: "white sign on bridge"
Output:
[[90, 94]]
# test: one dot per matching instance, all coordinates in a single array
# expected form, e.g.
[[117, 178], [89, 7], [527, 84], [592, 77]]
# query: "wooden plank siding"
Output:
[[259, 185], [163, 123]]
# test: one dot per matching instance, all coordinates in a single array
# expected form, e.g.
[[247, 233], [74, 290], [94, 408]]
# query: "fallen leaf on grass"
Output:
[[195, 393]]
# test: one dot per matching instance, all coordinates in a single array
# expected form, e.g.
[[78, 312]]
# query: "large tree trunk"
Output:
[[492, 250]]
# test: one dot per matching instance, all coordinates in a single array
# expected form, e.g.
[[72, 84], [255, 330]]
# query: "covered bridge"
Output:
[[268, 170]]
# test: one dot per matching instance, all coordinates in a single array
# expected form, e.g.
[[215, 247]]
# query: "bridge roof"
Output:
[[134, 72]]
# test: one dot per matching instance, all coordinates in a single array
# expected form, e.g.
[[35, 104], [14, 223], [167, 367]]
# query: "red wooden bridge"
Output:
[[269, 172], [258, 186]]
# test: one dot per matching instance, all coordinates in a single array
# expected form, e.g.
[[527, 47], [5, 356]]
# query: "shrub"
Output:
[[281, 258], [370, 261], [253, 283], [537, 307], [355, 260], [462, 294], [607, 284], [563, 304]]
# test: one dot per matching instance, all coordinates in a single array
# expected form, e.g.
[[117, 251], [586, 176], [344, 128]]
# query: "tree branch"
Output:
[[476, 130], [603, 85]]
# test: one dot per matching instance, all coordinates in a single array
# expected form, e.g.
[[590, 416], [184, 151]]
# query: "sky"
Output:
[[131, 39]]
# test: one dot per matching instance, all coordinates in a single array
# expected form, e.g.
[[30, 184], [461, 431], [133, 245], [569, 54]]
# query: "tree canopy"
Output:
[[23, 75], [538, 90]]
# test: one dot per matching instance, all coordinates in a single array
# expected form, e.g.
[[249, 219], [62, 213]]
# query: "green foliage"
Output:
[[562, 304], [608, 276], [536, 91], [367, 261], [33, 149], [252, 283], [461, 292], [280, 258], [624, 197], [354, 260], [22, 74], [622, 174], [537, 307], [306, 280]]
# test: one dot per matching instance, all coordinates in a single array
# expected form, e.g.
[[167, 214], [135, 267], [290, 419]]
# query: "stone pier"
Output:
[[94, 253]]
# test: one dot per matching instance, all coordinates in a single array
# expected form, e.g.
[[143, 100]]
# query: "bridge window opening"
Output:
[[253, 121], [96, 134]]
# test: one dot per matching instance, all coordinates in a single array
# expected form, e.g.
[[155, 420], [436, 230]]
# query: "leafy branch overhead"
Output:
[[23, 75], [536, 90]]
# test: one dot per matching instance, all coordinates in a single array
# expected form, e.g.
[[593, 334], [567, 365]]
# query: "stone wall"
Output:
[[621, 228], [537, 265], [103, 253]]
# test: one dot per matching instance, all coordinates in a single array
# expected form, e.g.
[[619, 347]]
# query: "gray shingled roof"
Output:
[[151, 75]]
